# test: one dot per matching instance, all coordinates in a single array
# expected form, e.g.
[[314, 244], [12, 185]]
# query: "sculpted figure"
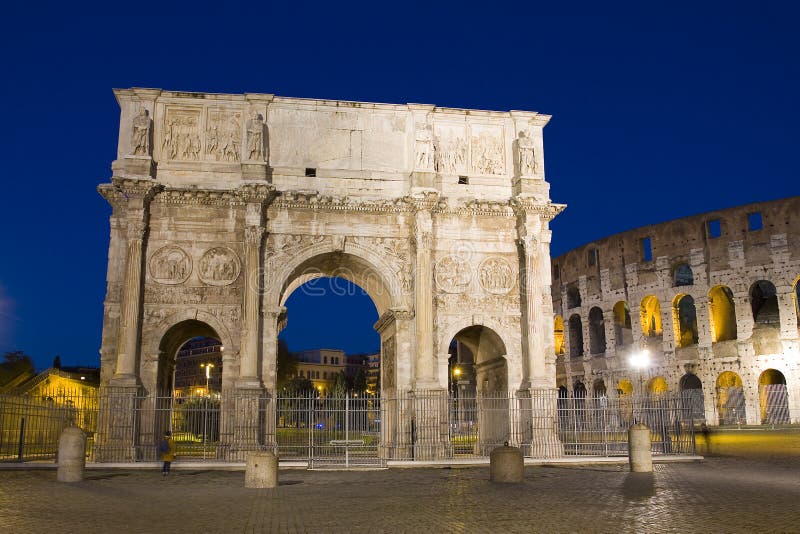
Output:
[[255, 138], [424, 148], [527, 164], [141, 134]]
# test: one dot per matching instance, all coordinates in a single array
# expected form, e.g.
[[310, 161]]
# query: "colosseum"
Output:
[[712, 299]]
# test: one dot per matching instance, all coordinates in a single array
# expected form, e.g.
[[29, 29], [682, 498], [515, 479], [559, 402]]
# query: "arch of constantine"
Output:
[[714, 297], [225, 204]]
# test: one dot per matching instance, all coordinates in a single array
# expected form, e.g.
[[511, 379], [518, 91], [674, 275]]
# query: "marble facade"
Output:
[[225, 204]]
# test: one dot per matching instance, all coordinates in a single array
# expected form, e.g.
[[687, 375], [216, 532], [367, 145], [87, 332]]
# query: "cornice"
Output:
[[390, 315], [199, 197], [536, 205], [312, 200], [145, 189], [256, 192]]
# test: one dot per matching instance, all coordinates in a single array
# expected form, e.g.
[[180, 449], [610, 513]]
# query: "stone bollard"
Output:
[[262, 470], [506, 465], [639, 454], [71, 455]]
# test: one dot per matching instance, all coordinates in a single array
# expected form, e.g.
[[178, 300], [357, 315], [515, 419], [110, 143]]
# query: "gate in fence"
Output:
[[340, 431]]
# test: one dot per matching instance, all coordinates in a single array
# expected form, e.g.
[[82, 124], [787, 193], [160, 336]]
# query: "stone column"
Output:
[[744, 323], [253, 408], [115, 439], [425, 368], [611, 333], [703, 314], [538, 348], [125, 372], [248, 367], [788, 312]]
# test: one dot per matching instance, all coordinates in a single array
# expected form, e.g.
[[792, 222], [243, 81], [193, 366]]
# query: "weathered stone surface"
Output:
[[743, 344], [71, 455], [237, 200]]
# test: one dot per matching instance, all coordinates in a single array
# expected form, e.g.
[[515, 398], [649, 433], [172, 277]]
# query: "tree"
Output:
[[287, 366], [17, 356], [15, 364], [360, 381]]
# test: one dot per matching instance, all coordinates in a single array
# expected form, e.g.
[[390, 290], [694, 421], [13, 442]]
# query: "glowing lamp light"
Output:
[[641, 359]]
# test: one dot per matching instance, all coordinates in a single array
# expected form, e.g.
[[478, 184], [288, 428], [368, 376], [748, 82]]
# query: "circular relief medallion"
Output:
[[170, 265], [496, 275], [452, 274], [219, 266]]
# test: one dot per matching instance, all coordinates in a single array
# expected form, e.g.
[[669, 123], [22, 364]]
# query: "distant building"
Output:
[[322, 365], [71, 390], [373, 371], [190, 368]]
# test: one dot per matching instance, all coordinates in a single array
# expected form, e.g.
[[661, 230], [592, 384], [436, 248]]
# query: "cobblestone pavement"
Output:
[[717, 495]]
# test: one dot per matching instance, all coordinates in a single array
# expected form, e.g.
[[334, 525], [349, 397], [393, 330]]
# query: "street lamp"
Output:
[[454, 381], [208, 367], [640, 360]]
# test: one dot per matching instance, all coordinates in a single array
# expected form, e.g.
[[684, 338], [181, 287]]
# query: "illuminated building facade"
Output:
[[712, 297]]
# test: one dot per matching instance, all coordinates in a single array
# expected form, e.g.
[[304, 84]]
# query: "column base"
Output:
[[117, 435], [430, 425], [251, 414], [542, 441]]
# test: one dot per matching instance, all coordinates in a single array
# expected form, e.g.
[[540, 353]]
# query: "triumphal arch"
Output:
[[224, 204]]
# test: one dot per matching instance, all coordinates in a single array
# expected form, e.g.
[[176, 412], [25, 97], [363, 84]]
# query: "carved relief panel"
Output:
[[451, 149], [388, 363], [496, 275], [453, 274], [223, 135], [219, 266], [180, 135], [486, 149], [170, 265]]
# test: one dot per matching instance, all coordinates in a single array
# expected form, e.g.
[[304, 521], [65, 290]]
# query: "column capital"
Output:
[[253, 235]]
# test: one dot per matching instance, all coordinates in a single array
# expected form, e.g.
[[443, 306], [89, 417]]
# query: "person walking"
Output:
[[166, 448]]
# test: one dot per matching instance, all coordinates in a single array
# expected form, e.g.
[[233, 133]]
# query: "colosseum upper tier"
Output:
[[712, 299]]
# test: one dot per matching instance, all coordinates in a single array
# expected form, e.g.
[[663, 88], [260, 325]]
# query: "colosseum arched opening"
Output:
[[682, 275], [730, 399], [558, 335], [650, 315], [773, 397], [575, 336], [684, 319], [691, 388], [597, 331], [722, 314], [623, 329]]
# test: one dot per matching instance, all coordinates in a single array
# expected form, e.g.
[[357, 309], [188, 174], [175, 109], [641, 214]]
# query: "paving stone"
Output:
[[718, 495]]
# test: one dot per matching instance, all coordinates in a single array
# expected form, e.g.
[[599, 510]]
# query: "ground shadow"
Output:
[[638, 486]]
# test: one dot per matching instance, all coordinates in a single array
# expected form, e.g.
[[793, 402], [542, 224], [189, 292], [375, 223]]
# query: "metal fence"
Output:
[[30, 427], [598, 426], [348, 430]]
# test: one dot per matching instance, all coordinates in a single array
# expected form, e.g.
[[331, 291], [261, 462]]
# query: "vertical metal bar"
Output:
[[21, 439], [347, 430]]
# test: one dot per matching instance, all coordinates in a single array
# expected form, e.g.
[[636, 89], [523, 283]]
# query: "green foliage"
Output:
[[14, 364], [287, 366]]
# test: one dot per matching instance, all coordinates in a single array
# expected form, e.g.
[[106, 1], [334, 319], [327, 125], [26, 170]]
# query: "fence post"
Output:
[[21, 440]]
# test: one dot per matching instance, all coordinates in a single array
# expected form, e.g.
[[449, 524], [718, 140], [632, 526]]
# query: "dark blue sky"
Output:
[[658, 112]]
